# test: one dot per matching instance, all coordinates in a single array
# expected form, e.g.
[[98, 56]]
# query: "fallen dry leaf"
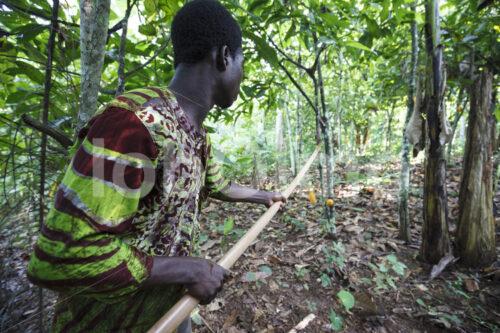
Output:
[[471, 285], [231, 319]]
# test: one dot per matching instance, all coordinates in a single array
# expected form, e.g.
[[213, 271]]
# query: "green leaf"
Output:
[[335, 320], [251, 276], [383, 268], [265, 51], [497, 112], [346, 298], [147, 30], [385, 11], [228, 225], [421, 303], [391, 283], [29, 31], [255, 4], [392, 259], [357, 45], [445, 321], [28, 70], [468, 38], [5, 46], [196, 318], [325, 280], [367, 281], [150, 6], [266, 269]]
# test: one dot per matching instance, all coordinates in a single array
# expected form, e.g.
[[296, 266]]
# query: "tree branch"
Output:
[[121, 50], [59, 70], [298, 64], [157, 52], [115, 28], [106, 91], [35, 13], [296, 84], [50, 131], [111, 30]]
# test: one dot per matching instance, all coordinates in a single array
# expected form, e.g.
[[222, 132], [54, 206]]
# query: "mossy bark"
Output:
[[94, 18], [476, 225]]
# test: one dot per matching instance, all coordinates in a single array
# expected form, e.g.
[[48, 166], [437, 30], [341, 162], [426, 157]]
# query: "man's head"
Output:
[[204, 29]]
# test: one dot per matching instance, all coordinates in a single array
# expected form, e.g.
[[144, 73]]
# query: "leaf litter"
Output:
[[295, 278]]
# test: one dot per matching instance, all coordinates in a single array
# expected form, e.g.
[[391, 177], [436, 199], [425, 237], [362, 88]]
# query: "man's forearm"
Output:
[[202, 278], [238, 193], [172, 270]]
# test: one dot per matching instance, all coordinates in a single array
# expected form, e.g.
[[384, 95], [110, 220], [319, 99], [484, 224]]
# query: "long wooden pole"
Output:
[[172, 319]]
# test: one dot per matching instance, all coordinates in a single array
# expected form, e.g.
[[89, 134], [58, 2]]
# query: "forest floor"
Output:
[[293, 273]]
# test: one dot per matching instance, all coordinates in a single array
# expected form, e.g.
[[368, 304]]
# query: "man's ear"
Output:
[[222, 58]]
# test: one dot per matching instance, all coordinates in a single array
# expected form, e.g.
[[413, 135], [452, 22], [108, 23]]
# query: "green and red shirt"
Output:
[[133, 190]]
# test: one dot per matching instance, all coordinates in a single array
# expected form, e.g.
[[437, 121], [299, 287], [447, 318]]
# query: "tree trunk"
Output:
[[389, 126], [290, 144], [277, 144], [255, 173], [94, 18], [435, 235], [338, 112], [476, 225], [330, 158], [43, 153], [121, 51], [404, 184], [461, 103], [298, 130]]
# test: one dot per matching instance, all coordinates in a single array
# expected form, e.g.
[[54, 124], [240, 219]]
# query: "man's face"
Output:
[[231, 80]]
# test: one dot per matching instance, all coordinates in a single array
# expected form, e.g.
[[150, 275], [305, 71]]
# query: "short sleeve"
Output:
[[79, 250], [215, 183]]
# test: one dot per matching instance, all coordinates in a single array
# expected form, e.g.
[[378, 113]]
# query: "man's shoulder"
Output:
[[134, 100]]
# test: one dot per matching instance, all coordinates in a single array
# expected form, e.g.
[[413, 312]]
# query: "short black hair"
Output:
[[199, 26]]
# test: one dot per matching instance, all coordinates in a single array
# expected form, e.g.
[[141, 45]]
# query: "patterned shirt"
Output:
[[133, 190]]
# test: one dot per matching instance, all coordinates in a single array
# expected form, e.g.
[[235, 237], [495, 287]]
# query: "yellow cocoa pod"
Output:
[[329, 202], [312, 197], [298, 137], [460, 108]]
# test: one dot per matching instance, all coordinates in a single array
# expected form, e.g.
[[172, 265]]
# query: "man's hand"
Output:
[[209, 279], [203, 278], [273, 197]]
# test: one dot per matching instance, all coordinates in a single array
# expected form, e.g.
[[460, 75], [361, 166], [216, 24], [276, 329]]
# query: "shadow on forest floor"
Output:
[[293, 270]]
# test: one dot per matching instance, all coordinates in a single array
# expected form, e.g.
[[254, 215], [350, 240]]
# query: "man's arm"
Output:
[[203, 278], [238, 193]]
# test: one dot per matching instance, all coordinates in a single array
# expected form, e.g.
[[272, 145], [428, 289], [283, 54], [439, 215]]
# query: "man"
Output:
[[118, 241]]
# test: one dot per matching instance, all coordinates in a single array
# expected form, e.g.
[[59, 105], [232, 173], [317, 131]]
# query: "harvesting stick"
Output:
[[173, 318]]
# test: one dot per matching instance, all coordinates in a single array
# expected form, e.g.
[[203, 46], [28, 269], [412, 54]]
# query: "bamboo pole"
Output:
[[172, 319]]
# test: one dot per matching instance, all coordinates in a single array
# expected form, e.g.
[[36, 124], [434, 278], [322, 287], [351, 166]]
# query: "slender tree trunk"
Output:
[[290, 144], [330, 158], [404, 183], [461, 103], [94, 18], [45, 119], [121, 51], [277, 144], [298, 127], [389, 126], [338, 112], [255, 173], [435, 235], [476, 225]]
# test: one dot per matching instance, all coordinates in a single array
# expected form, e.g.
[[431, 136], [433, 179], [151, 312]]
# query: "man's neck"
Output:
[[192, 87]]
